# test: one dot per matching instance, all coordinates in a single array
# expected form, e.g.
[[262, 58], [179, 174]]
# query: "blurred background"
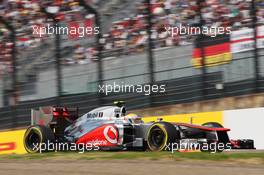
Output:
[[132, 48]]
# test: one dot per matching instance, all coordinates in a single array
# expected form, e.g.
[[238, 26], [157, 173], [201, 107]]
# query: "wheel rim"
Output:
[[33, 138], [157, 138]]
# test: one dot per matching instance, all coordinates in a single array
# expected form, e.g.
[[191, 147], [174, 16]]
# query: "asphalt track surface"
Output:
[[71, 166], [126, 167]]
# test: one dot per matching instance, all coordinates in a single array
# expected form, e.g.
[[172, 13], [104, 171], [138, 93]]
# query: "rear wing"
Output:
[[51, 115], [42, 116], [56, 118]]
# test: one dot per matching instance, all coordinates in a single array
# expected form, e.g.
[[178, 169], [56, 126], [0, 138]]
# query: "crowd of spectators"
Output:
[[127, 36], [22, 15], [130, 36], [5, 53]]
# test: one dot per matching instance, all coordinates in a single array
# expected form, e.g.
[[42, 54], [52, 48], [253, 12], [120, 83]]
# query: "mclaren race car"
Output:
[[111, 128]]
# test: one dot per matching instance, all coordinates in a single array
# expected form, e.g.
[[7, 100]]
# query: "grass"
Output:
[[138, 155]]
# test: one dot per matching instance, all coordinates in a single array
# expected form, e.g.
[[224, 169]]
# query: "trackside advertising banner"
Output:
[[195, 118], [11, 142], [243, 40]]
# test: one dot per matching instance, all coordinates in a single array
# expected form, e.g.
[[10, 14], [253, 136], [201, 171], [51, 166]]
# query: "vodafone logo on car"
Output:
[[106, 135], [111, 134]]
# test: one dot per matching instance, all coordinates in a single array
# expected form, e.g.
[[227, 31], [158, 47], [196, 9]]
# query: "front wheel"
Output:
[[160, 135]]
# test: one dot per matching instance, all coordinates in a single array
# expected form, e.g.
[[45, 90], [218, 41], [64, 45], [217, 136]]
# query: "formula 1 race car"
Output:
[[111, 128]]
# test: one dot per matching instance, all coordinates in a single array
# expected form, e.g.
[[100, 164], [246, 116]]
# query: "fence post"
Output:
[[57, 56], [14, 100], [58, 65], [99, 55], [150, 51], [13, 55], [201, 44], [90, 9], [256, 58]]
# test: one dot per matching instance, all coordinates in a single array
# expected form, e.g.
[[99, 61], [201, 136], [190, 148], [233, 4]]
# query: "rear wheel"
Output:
[[160, 135], [35, 136]]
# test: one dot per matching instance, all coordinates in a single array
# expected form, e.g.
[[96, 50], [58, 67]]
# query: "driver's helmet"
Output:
[[133, 118]]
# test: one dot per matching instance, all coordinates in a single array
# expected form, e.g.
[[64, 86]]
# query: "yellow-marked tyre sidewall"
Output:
[[165, 140], [28, 131]]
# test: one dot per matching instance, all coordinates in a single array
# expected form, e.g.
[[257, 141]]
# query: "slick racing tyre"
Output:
[[37, 135], [212, 125], [161, 134]]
